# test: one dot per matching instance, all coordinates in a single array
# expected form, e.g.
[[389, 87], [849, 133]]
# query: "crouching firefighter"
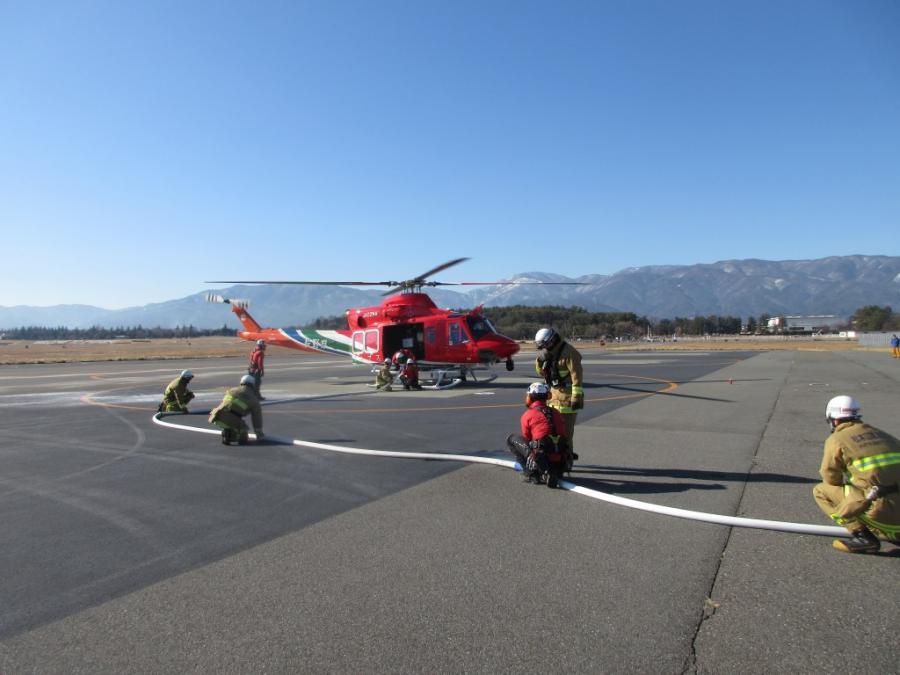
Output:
[[860, 479], [384, 378], [542, 448], [238, 402], [177, 395]]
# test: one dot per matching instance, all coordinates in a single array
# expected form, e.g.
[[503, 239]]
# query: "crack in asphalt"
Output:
[[710, 606]]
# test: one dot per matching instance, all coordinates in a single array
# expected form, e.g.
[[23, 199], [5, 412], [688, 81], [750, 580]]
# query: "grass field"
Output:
[[64, 351], [14, 352]]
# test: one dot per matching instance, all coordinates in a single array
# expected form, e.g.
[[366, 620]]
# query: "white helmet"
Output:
[[843, 407], [186, 375], [261, 343], [248, 379], [538, 390], [387, 361], [543, 337]]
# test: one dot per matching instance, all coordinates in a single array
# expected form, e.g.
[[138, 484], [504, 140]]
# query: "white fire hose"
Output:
[[731, 521]]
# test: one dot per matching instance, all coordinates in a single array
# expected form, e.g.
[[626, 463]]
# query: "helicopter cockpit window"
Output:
[[479, 326], [457, 334]]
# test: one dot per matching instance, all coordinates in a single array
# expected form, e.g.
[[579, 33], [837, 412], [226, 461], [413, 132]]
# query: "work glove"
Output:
[[577, 402]]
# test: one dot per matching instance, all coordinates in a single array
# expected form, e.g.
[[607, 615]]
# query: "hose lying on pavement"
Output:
[[731, 521]]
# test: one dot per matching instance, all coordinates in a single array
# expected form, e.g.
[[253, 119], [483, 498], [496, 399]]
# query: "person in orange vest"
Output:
[[257, 366], [860, 479]]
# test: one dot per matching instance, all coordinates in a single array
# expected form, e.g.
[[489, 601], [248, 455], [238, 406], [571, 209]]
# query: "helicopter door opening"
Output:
[[404, 336]]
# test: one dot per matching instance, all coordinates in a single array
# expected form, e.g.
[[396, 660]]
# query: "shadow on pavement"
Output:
[[618, 486], [695, 474]]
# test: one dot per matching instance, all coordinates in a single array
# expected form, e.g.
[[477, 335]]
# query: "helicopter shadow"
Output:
[[622, 387]]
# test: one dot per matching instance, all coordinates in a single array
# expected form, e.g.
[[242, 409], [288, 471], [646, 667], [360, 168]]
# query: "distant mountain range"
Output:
[[837, 285]]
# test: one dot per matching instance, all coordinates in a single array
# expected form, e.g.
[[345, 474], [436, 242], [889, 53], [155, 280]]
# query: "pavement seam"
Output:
[[709, 605]]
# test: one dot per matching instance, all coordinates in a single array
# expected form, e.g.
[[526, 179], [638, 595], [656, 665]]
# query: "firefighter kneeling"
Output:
[[177, 395], [860, 486], [542, 449], [238, 402]]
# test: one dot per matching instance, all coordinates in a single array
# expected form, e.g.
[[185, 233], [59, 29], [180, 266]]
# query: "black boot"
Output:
[[862, 541]]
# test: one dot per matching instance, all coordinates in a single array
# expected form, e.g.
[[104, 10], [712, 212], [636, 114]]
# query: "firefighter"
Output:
[[401, 356], [257, 367], [540, 449], [238, 402], [409, 375], [559, 363], [860, 475], [177, 394], [384, 378]]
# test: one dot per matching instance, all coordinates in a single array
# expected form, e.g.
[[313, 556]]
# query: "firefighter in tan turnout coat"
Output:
[[177, 395], [559, 363], [238, 402], [860, 473]]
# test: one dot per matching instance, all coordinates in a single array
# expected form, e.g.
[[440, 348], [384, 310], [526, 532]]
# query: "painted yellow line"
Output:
[[88, 399]]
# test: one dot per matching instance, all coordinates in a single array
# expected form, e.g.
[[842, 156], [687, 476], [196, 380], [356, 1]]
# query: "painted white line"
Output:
[[730, 521], [621, 362]]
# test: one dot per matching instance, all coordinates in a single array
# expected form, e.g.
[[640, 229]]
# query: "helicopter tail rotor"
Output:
[[236, 302]]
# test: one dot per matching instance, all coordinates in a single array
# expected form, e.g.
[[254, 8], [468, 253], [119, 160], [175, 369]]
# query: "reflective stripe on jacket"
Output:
[[177, 392], [567, 362], [241, 401], [859, 456]]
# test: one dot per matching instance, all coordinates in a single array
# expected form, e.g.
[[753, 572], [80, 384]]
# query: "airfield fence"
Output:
[[880, 339]]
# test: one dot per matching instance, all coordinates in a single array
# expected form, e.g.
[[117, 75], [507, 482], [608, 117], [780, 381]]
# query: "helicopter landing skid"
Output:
[[446, 378]]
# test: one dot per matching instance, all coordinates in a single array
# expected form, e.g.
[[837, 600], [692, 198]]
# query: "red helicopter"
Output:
[[448, 346]]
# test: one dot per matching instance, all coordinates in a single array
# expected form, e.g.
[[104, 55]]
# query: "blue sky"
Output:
[[147, 147]]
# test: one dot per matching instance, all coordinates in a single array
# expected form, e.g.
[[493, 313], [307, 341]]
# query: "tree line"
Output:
[[521, 321], [99, 333], [517, 321], [873, 318]]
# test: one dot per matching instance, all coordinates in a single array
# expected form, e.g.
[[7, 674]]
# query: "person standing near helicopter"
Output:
[[257, 366], [559, 363]]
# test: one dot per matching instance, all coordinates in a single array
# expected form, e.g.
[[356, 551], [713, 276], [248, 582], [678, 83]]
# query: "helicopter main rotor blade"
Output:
[[521, 283], [314, 283], [439, 268]]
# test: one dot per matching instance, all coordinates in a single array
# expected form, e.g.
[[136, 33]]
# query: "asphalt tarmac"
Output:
[[129, 547]]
